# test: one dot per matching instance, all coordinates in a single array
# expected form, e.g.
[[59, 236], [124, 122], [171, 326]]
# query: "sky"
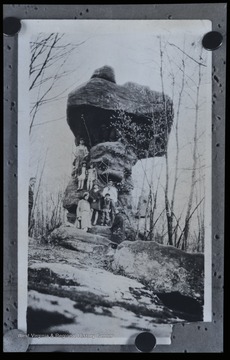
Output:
[[132, 48]]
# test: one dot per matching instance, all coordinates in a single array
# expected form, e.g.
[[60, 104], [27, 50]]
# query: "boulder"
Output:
[[65, 234], [106, 73], [93, 107], [71, 198], [101, 230], [164, 268], [83, 283], [113, 160]]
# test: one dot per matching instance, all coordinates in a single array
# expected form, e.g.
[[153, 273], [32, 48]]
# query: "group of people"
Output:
[[90, 174], [80, 171], [97, 207]]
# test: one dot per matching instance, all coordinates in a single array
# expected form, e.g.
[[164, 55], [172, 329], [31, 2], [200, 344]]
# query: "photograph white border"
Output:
[[28, 28]]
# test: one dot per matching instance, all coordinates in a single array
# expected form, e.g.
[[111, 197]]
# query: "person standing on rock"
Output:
[[91, 176], [112, 191], [81, 152], [81, 178], [95, 203], [84, 212], [31, 199], [108, 211]]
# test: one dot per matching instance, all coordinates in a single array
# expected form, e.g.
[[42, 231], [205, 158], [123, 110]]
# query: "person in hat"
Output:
[[81, 152], [83, 213], [112, 191], [108, 211]]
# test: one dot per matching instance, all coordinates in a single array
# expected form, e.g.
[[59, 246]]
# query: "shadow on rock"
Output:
[[183, 306], [39, 321]]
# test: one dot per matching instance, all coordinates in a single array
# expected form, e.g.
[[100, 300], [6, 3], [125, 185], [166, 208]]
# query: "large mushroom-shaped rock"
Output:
[[120, 124], [98, 108]]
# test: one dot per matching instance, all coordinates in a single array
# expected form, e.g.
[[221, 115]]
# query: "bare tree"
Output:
[[151, 206], [174, 222], [182, 69], [48, 56], [49, 213], [186, 226], [38, 189], [200, 189], [141, 202], [194, 169], [167, 202]]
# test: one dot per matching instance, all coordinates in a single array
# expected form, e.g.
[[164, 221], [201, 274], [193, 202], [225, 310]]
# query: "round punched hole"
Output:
[[15, 341], [145, 342], [212, 40], [11, 26]]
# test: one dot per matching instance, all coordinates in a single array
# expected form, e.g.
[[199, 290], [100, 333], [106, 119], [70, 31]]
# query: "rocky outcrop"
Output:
[[106, 73], [164, 268], [71, 198], [71, 235], [93, 107], [120, 124], [114, 160], [82, 283], [71, 290]]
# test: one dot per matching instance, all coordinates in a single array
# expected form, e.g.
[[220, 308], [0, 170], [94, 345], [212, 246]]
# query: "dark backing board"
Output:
[[202, 337]]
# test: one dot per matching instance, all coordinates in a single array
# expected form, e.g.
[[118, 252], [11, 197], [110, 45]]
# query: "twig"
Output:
[[199, 63]]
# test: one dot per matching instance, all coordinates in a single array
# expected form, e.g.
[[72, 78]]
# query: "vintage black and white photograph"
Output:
[[114, 178]]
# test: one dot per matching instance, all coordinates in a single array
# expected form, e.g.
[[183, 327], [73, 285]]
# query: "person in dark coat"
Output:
[[95, 203], [31, 198], [108, 210], [118, 227], [118, 223]]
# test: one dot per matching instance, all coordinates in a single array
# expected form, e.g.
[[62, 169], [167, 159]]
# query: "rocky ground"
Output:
[[79, 283]]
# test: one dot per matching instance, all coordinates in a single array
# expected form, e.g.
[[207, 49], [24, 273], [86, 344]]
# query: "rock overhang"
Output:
[[95, 107]]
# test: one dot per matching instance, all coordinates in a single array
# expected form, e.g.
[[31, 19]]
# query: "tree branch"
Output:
[[199, 63]]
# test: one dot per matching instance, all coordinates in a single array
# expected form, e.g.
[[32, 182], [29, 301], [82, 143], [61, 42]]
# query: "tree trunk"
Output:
[[193, 177]]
